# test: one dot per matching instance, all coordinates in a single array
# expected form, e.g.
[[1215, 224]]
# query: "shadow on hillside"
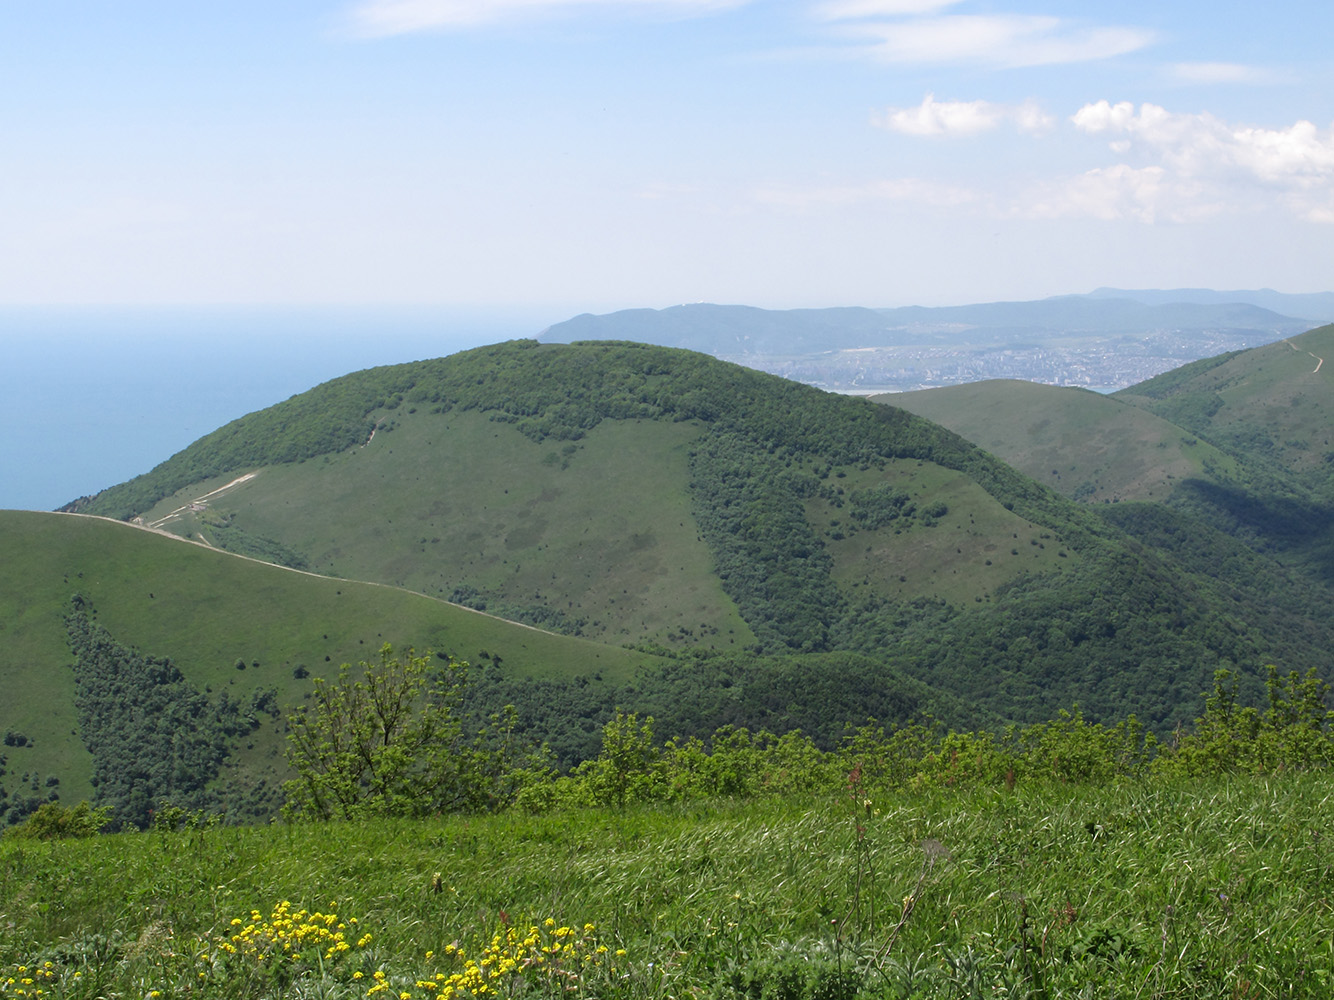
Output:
[[1283, 526]]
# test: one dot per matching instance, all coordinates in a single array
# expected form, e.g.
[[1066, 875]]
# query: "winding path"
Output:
[[1318, 360]]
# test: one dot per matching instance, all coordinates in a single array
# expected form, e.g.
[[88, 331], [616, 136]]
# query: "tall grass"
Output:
[[1157, 889]]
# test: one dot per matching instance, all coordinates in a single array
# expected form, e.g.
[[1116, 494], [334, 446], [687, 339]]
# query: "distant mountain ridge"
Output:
[[1318, 307], [1102, 340], [733, 329]]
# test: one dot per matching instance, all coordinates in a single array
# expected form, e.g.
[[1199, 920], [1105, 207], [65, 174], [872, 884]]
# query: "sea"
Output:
[[93, 396]]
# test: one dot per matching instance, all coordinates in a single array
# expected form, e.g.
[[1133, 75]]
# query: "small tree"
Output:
[[626, 768], [387, 743]]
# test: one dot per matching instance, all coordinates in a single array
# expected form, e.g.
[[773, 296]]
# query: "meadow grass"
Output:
[[1156, 889], [600, 529], [1084, 445], [208, 610]]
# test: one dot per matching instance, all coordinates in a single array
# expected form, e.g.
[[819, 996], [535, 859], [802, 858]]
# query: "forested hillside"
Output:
[[644, 495]]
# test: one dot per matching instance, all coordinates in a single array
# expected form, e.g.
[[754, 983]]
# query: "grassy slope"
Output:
[[1272, 408], [1208, 888], [1084, 445], [206, 610], [1271, 401], [961, 559], [599, 529], [469, 498]]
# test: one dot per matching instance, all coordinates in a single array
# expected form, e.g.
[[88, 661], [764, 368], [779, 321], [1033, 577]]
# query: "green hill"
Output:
[[1084, 445], [1271, 408], [662, 498], [608, 490], [231, 625], [1273, 403], [243, 640]]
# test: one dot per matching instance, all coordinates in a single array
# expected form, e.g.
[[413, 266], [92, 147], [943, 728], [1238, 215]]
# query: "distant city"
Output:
[[1101, 365], [1104, 340]]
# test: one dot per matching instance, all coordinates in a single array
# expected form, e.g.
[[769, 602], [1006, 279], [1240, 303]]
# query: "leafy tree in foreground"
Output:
[[391, 743]]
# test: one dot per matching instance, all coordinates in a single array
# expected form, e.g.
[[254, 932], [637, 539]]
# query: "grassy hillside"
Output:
[[209, 612], [1272, 409], [1086, 446], [594, 536], [579, 488], [1273, 402], [249, 638], [660, 497]]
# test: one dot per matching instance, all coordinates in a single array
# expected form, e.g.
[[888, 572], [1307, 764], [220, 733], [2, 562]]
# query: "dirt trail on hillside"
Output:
[[198, 503], [1318, 360]]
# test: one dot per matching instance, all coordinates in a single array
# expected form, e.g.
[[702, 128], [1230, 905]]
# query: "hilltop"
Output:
[[666, 500], [1239, 442]]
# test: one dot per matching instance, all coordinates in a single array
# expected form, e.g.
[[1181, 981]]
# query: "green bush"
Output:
[[52, 821]]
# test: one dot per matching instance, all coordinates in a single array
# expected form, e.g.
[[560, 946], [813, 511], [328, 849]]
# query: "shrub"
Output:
[[52, 821]]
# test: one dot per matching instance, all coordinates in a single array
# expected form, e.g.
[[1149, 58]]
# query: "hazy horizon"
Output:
[[605, 154]]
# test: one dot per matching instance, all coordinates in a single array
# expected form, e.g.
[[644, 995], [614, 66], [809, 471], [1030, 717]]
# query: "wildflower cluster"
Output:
[[300, 936], [553, 960], [28, 981]]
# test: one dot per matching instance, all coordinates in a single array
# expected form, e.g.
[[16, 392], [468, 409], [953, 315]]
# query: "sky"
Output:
[[563, 156]]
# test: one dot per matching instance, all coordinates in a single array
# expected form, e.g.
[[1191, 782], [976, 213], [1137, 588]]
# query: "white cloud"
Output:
[[932, 117], [1004, 40], [1209, 165], [378, 18], [838, 10], [1201, 145], [1105, 193]]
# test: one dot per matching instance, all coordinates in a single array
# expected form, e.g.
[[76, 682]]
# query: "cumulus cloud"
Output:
[[1201, 145], [377, 18], [1205, 165], [940, 118]]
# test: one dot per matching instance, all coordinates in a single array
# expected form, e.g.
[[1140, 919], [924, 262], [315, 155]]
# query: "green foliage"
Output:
[[390, 742], [694, 697], [625, 769], [228, 536], [1170, 888], [151, 734], [52, 821], [770, 561], [203, 610], [1295, 733]]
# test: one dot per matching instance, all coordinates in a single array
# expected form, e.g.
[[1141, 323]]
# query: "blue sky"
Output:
[[577, 155]]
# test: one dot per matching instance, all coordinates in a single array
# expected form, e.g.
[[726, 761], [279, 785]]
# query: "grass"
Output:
[[977, 546], [206, 610], [1273, 400], [599, 530], [1218, 888], [1084, 445]]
